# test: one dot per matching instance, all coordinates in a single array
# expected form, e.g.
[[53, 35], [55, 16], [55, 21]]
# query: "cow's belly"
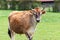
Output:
[[18, 30], [17, 27]]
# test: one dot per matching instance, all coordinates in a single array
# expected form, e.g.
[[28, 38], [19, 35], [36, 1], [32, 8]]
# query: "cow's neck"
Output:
[[33, 21]]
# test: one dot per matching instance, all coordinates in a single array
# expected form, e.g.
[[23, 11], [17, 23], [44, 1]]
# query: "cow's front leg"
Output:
[[30, 33], [29, 36]]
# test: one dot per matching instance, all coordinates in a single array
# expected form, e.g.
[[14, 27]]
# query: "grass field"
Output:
[[47, 29]]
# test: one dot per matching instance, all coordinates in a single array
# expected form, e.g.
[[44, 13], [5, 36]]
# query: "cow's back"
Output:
[[20, 21]]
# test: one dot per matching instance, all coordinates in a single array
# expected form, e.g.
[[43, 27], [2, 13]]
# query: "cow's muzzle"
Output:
[[38, 20]]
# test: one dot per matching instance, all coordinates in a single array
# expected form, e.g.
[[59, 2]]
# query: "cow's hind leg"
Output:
[[11, 34], [29, 36]]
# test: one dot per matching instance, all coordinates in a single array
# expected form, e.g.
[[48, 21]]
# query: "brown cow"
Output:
[[24, 22]]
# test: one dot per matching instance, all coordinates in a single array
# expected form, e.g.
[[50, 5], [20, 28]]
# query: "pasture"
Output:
[[47, 29]]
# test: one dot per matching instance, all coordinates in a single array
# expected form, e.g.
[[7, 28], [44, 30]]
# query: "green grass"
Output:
[[47, 29]]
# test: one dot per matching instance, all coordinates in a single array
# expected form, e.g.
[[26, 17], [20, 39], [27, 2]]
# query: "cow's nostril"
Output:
[[38, 20]]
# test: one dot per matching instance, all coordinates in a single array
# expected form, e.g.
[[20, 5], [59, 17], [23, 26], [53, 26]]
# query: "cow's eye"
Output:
[[34, 13]]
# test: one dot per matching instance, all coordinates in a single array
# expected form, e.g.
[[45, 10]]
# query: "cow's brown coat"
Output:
[[20, 22], [23, 22]]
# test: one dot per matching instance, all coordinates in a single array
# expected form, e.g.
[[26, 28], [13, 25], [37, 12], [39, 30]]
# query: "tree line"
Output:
[[18, 5], [25, 5]]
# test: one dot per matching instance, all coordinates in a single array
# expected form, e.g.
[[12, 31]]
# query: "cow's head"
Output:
[[37, 12]]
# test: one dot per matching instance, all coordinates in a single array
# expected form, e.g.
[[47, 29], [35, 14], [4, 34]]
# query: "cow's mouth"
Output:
[[38, 20]]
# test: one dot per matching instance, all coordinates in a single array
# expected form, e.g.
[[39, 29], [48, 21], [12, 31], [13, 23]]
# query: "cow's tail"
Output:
[[9, 32]]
